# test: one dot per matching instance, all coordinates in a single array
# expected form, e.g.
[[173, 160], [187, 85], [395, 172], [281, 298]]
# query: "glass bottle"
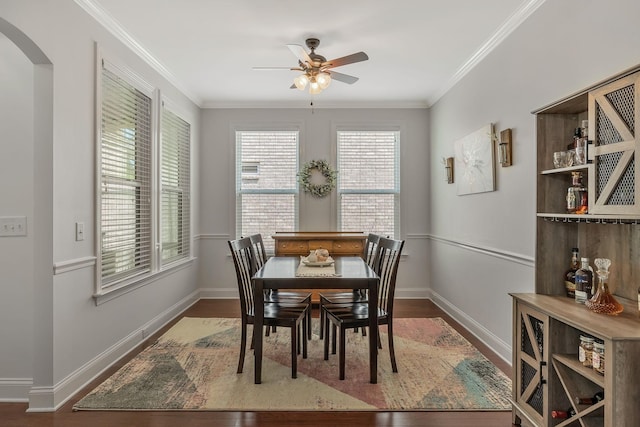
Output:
[[577, 197], [603, 301], [598, 397], [584, 282], [581, 138], [569, 275], [563, 414]]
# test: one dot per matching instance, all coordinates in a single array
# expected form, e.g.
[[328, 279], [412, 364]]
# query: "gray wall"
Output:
[[564, 47], [16, 196], [317, 141], [64, 338]]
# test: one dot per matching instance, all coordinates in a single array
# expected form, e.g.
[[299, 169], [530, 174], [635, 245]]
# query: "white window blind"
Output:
[[125, 179], [266, 184], [368, 181], [175, 178]]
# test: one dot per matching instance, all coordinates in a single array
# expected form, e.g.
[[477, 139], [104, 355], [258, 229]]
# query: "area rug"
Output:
[[193, 367]]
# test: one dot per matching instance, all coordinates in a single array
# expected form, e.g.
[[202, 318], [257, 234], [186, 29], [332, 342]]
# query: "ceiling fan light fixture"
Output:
[[301, 81], [314, 87], [324, 80]]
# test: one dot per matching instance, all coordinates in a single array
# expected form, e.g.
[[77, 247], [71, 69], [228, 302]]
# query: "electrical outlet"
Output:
[[13, 226], [79, 231]]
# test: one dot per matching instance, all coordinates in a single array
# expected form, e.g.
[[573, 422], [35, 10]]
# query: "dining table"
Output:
[[347, 272]]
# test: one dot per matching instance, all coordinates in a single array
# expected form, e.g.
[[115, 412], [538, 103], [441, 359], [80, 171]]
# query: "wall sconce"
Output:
[[504, 148], [448, 169]]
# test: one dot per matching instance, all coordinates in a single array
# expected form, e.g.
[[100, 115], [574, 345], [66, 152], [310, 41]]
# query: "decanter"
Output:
[[603, 301]]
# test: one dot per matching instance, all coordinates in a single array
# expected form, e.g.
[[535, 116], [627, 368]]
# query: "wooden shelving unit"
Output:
[[547, 325]]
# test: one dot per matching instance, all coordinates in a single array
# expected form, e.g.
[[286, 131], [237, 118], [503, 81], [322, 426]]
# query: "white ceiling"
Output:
[[418, 49]]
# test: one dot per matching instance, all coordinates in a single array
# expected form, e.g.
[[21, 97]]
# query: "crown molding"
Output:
[[512, 22], [106, 20]]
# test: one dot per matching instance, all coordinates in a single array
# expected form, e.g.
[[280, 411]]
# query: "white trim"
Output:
[[317, 104], [15, 390], [73, 264], [512, 22], [48, 399], [204, 236], [94, 9], [498, 346], [498, 253], [136, 283]]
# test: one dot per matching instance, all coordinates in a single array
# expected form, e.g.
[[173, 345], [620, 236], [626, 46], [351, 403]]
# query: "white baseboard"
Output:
[[46, 399], [497, 345], [12, 387]]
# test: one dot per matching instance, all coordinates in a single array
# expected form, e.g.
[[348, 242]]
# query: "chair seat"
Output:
[[343, 297], [356, 315], [287, 296]]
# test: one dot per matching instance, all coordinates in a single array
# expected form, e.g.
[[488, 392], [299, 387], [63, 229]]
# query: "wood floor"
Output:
[[14, 414]]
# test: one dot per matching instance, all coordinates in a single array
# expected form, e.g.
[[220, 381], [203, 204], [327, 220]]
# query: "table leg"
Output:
[[258, 322], [373, 330]]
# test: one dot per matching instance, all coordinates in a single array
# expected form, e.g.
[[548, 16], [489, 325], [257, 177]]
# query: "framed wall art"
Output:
[[475, 168]]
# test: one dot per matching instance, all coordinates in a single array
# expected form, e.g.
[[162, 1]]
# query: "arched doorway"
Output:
[[40, 221]]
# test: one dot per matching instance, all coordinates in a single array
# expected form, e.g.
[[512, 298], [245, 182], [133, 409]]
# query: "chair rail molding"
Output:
[[526, 260]]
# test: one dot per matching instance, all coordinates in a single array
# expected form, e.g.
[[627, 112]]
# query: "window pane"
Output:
[[371, 213], [266, 214], [266, 184], [368, 181], [125, 156], [175, 181]]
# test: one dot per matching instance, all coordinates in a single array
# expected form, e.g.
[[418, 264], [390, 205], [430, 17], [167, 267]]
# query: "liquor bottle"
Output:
[[577, 197], [584, 281], [599, 396], [581, 143], [569, 276], [563, 414]]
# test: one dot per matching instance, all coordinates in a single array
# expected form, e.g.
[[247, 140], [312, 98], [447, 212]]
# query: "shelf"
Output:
[[579, 168], [590, 218], [571, 361]]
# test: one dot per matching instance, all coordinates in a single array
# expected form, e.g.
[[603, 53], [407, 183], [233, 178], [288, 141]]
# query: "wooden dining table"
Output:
[[350, 273]]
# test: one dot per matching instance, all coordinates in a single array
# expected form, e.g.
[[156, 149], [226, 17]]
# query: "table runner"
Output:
[[306, 271]]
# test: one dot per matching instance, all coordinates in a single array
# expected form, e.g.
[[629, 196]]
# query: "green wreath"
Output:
[[317, 190]]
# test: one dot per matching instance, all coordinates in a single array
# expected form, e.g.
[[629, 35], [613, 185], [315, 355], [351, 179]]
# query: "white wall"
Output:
[[564, 47], [16, 199], [73, 339], [317, 141]]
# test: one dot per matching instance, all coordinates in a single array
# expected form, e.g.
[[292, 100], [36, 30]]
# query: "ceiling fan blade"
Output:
[[345, 78], [300, 53], [273, 68], [349, 59]]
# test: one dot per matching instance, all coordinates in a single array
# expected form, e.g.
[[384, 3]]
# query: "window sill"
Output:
[[125, 288]]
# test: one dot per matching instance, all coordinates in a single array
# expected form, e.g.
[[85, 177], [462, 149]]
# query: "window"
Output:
[[368, 181], [266, 184], [125, 181], [175, 187], [143, 208]]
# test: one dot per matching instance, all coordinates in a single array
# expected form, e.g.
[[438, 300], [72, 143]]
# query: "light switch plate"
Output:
[[13, 226]]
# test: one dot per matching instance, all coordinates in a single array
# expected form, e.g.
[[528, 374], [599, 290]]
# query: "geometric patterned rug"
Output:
[[193, 367]]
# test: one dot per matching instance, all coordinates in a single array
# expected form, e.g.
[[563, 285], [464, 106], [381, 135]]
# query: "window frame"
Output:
[[106, 290], [237, 182], [396, 191]]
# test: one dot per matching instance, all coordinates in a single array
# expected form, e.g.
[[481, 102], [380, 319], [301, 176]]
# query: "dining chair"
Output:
[[290, 315], [277, 295], [357, 295], [356, 315]]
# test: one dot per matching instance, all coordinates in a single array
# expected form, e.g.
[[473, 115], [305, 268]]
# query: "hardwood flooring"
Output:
[[15, 415]]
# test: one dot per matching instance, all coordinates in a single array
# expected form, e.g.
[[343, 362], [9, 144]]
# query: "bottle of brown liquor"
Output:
[[570, 274], [577, 198]]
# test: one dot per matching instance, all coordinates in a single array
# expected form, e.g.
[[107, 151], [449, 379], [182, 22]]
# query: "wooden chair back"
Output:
[[258, 250], [370, 247], [385, 264], [242, 251]]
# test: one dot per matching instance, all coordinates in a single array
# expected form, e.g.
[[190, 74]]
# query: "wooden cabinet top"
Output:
[[625, 326], [320, 235]]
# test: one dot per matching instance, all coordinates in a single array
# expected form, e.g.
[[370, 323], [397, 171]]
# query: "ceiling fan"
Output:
[[317, 72]]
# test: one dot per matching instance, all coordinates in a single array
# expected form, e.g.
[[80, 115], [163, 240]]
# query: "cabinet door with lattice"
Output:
[[530, 365], [613, 112]]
